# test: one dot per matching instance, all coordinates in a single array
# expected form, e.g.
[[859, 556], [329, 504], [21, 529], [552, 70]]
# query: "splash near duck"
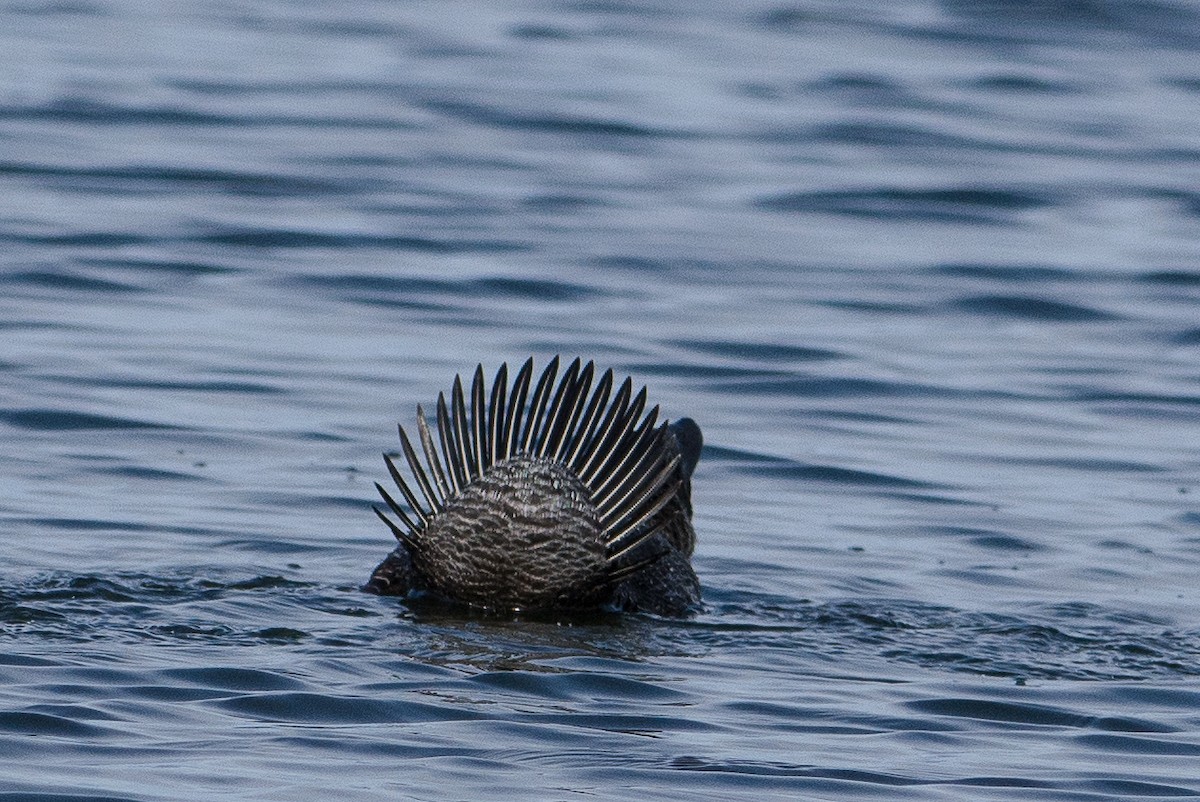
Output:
[[569, 498]]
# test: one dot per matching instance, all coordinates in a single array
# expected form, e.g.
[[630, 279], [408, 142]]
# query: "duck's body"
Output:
[[569, 502]]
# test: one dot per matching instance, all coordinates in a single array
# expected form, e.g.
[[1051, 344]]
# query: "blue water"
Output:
[[926, 273]]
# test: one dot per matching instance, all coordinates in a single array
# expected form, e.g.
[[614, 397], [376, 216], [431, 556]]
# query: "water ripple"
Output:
[[1025, 307], [941, 257], [55, 420], [967, 205]]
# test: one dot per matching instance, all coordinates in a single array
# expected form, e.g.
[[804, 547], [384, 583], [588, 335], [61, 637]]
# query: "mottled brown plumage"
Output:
[[556, 500]]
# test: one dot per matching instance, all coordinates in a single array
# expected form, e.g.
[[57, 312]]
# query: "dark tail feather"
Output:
[[626, 460]]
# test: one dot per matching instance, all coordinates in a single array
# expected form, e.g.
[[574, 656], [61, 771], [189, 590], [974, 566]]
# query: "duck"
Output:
[[558, 495]]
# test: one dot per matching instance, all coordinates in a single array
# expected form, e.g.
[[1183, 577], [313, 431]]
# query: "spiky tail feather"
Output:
[[621, 457]]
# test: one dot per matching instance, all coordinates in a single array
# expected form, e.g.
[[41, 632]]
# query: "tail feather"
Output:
[[516, 408], [595, 450], [496, 415], [537, 407], [563, 410], [628, 526], [622, 456], [414, 465], [431, 456], [591, 419], [409, 496], [634, 448], [479, 422], [404, 536], [446, 438], [461, 431]]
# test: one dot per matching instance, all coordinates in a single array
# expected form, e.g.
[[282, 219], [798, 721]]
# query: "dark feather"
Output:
[[399, 512], [516, 407], [591, 419], [595, 451], [445, 435], [461, 430], [479, 427], [431, 456], [406, 490], [630, 465], [496, 415], [414, 465], [537, 407], [400, 534]]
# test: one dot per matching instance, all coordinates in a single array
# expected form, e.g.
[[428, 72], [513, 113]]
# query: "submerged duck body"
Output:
[[545, 499]]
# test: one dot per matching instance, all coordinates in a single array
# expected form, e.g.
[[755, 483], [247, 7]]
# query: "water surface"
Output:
[[925, 273]]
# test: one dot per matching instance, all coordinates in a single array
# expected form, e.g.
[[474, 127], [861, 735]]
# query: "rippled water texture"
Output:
[[926, 273]]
